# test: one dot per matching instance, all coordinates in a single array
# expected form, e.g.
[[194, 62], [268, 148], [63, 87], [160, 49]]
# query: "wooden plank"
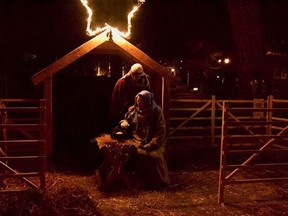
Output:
[[241, 181], [223, 149], [190, 117], [249, 123], [165, 101], [22, 126], [258, 166], [21, 175], [25, 180], [17, 158], [255, 136], [22, 141], [69, 58], [21, 109], [99, 44], [242, 109], [48, 95], [137, 55]]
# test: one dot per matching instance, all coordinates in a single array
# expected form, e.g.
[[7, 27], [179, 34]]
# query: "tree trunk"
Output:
[[247, 36]]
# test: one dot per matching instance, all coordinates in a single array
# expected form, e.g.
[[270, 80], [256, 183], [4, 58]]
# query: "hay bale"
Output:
[[106, 140]]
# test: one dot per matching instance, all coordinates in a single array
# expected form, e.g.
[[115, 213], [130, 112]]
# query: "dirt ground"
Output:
[[193, 191]]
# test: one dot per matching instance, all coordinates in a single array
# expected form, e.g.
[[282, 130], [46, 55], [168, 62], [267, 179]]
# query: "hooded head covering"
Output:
[[136, 69], [142, 80], [143, 115], [148, 101]]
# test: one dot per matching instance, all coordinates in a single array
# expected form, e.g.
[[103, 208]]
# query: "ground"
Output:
[[191, 192]]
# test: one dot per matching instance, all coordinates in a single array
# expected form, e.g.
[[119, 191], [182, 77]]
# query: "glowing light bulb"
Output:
[[226, 60]]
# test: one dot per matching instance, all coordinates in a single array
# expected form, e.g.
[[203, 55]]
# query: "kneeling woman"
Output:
[[146, 120]]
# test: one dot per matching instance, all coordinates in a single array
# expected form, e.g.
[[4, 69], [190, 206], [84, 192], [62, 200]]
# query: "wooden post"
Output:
[[269, 115], [43, 143], [48, 87], [165, 100], [213, 113], [221, 183], [3, 120]]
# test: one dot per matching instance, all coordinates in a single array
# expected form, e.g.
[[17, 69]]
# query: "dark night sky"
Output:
[[171, 27], [162, 28]]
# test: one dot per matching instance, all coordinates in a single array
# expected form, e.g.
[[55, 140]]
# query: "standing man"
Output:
[[125, 90]]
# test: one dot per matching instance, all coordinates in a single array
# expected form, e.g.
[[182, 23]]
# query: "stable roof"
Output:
[[108, 42]]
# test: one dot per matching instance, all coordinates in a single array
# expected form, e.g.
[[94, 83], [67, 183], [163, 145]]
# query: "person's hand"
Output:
[[143, 142], [148, 147], [124, 124], [141, 147]]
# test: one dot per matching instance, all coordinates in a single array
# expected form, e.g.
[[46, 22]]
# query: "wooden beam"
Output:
[[104, 43], [69, 58], [137, 55]]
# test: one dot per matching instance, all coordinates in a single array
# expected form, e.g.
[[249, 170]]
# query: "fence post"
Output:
[[221, 183], [213, 113], [269, 115], [43, 138]]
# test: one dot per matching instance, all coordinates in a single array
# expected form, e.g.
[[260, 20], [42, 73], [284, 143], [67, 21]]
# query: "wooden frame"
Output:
[[25, 129], [268, 135]]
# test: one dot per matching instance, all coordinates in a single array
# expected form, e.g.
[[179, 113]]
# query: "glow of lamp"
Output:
[[98, 30], [226, 60]]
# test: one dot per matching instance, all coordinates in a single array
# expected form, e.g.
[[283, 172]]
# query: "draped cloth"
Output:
[[124, 92], [149, 129]]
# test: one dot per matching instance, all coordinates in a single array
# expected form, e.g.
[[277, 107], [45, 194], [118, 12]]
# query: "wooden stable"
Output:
[[108, 42]]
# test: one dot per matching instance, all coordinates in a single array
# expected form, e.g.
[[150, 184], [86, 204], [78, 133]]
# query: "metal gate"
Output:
[[253, 149], [200, 120], [22, 144]]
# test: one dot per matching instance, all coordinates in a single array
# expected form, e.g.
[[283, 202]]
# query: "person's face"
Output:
[[141, 103], [135, 76]]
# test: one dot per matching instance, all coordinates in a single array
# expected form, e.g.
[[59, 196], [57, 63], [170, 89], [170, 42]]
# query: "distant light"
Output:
[[195, 89], [226, 61], [219, 60], [173, 71], [218, 77]]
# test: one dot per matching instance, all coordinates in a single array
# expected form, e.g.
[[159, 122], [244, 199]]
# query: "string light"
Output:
[[98, 30]]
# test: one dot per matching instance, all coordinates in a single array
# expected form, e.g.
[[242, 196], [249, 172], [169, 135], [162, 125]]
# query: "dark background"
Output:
[[35, 33]]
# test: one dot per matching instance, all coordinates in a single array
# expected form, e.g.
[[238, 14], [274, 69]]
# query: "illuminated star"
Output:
[[98, 30]]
